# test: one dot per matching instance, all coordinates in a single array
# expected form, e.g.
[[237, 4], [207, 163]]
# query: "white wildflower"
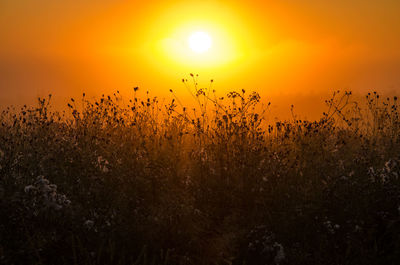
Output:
[[213, 171], [265, 179], [89, 224], [197, 212], [43, 196], [371, 170], [29, 188], [329, 227], [280, 255]]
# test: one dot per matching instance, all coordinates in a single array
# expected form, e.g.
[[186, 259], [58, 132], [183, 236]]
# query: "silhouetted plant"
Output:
[[142, 181]]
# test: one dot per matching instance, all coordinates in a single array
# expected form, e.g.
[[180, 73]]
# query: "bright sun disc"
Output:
[[200, 42]]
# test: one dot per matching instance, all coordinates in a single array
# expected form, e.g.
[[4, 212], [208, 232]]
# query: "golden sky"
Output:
[[288, 51]]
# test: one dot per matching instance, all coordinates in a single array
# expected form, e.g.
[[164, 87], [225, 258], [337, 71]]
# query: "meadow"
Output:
[[141, 181]]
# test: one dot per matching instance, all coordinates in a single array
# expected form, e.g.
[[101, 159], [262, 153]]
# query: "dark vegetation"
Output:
[[142, 182]]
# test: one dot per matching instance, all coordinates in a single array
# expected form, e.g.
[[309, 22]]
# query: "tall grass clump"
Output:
[[142, 181]]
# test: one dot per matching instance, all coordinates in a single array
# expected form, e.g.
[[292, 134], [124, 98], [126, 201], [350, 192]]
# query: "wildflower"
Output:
[[102, 164], [41, 180], [265, 179], [89, 224], [388, 166], [384, 178], [280, 254], [29, 188], [329, 227], [197, 212]]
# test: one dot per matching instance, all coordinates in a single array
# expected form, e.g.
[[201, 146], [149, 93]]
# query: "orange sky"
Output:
[[289, 51]]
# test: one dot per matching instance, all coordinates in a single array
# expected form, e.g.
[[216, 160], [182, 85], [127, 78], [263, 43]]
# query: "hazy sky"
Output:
[[286, 50]]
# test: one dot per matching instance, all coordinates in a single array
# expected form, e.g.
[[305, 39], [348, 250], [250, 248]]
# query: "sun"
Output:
[[199, 42]]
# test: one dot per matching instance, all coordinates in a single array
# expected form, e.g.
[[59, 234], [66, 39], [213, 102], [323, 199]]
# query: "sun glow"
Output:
[[202, 37], [200, 42]]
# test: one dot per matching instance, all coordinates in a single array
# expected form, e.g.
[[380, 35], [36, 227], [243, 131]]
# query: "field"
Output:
[[140, 181]]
